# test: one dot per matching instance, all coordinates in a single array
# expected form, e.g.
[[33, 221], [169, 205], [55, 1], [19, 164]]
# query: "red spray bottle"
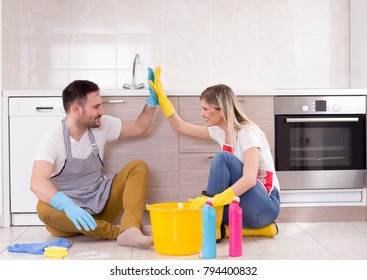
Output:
[[235, 228]]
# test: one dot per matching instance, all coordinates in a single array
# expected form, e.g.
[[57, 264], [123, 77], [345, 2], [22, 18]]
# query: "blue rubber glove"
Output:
[[152, 100], [75, 213]]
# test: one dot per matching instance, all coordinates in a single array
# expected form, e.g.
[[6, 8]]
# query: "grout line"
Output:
[[322, 245], [364, 232], [14, 239]]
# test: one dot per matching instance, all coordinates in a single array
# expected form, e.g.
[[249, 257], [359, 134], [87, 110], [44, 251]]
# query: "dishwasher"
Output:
[[29, 119]]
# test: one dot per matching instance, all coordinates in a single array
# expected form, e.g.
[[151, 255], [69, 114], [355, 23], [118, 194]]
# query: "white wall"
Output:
[[358, 43], [248, 44]]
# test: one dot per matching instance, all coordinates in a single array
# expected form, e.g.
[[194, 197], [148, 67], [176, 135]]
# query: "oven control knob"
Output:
[[336, 108], [305, 108]]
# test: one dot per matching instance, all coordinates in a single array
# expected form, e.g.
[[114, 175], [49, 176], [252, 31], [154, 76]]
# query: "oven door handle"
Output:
[[309, 120]]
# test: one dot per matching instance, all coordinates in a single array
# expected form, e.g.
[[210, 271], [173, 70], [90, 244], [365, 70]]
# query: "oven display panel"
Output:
[[320, 105]]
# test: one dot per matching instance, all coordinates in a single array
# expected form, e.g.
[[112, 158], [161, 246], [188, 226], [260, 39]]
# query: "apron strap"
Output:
[[95, 149], [67, 142]]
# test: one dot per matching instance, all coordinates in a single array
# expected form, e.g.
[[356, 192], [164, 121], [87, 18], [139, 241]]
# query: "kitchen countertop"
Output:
[[144, 92]]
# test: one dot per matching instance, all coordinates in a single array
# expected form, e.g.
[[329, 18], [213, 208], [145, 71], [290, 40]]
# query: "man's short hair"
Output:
[[77, 91]]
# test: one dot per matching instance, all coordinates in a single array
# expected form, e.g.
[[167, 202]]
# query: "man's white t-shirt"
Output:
[[250, 137], [51, 146]]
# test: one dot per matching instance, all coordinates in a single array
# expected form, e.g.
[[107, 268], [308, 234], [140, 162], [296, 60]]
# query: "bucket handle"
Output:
[[147, 206]]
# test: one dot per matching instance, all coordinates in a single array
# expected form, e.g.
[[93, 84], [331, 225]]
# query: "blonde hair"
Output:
[[222, 97]]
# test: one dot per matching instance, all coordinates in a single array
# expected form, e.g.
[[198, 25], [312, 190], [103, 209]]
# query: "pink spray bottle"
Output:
[[235, 228]]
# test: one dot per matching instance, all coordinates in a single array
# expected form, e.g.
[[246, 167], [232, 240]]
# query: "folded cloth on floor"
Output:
[[37, 248]]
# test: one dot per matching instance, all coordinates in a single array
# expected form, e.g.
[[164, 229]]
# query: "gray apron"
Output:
[[81, 179]]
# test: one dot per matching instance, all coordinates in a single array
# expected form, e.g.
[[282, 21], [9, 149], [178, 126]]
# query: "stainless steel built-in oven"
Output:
[[320, 141]]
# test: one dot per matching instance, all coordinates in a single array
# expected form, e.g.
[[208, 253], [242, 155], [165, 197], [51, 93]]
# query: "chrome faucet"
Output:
[[133, 84]]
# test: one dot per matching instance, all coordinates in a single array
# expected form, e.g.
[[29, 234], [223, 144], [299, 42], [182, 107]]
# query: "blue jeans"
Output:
[[258, 208]]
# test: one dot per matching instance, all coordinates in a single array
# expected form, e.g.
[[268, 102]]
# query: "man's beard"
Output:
[[96, 122]]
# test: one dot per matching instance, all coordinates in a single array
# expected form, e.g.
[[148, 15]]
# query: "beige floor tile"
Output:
[[89, 251], [362, 226], [297, 248], [35, 234], [295, 241], [347, 248], [327, 231], [299, 255], [325, 226], [323, 235], [286, 227], [89, 240], [9, 235]]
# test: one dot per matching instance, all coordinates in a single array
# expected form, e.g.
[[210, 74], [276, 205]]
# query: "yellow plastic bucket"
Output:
[[176, 228]]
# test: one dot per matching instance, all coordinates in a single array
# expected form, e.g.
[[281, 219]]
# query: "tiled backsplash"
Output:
[[247, 44]]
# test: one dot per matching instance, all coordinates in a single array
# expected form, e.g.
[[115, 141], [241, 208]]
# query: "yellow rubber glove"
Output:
[[163, 100], [197, 202], [220, 199], [223, 198]]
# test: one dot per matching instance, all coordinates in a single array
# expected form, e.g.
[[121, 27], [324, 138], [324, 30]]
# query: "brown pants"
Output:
[[127, 197]]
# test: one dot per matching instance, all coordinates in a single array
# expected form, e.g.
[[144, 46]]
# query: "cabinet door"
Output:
[[189, 110], [194, 172], [195, 154], [260, 110], [159, 148]]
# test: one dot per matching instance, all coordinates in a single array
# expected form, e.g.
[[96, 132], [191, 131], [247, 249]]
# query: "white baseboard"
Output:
[[25, 219]]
